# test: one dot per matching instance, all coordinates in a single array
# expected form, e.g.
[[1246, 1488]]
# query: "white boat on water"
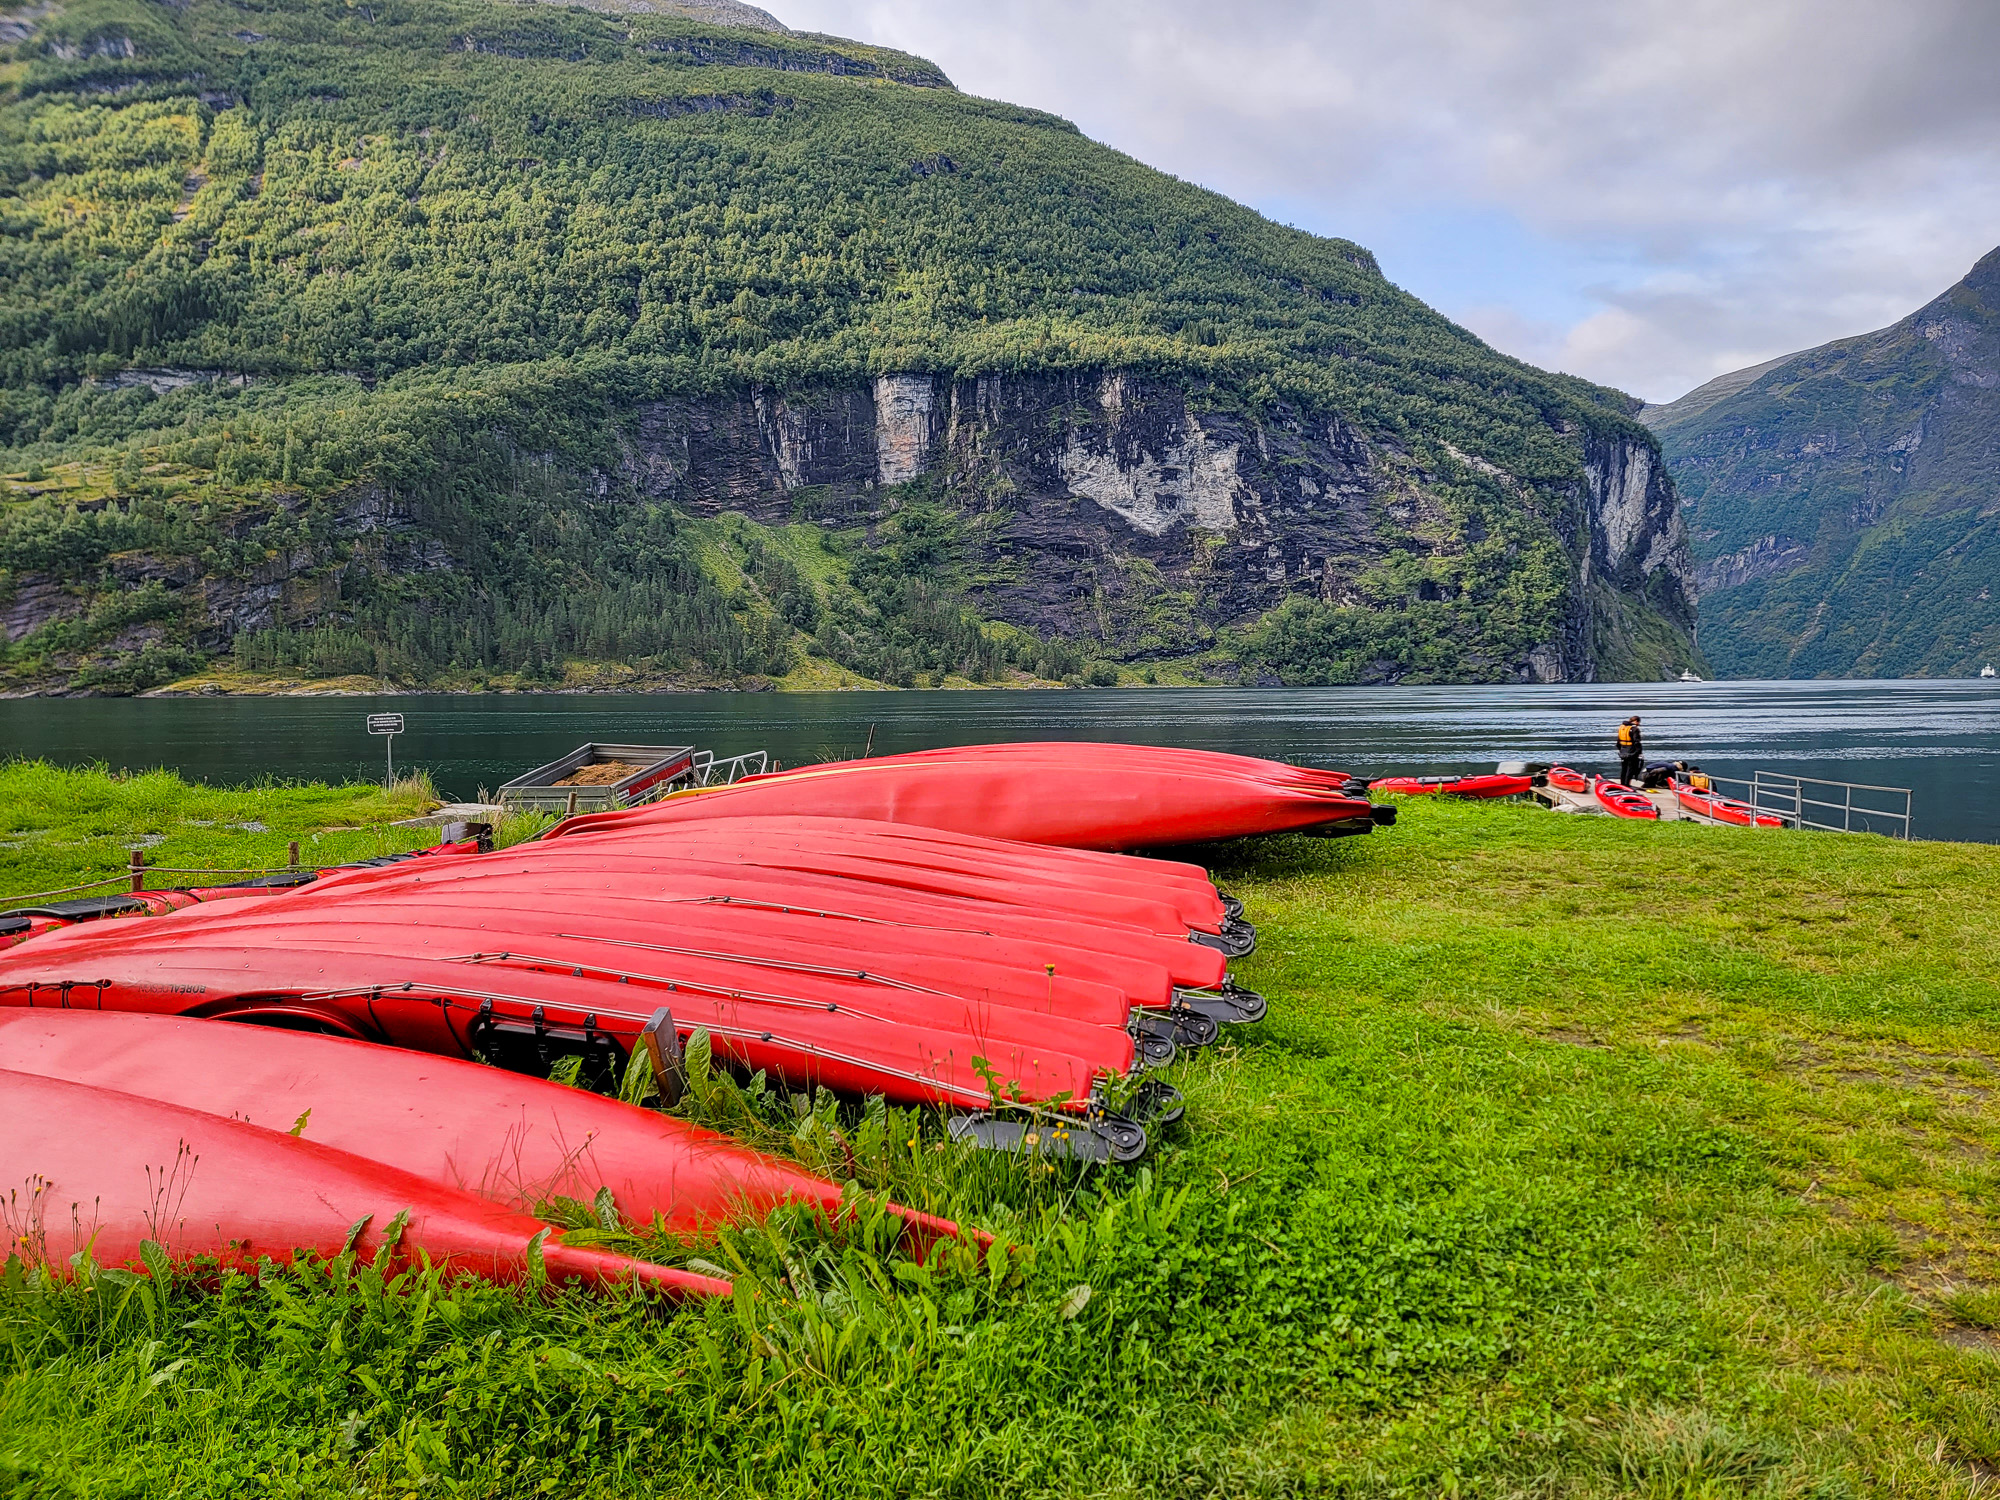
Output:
[[1690, 677], [1987, 670]]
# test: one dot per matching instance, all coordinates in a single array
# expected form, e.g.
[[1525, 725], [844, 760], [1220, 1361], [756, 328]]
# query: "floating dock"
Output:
[[1671, 811]]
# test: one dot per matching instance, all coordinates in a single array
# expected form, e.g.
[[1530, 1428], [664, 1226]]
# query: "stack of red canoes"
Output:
[[227, 1144], [922, 963], [1490, 785], [898, 949]]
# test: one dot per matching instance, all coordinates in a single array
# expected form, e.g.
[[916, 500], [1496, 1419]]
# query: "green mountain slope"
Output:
[[341, 338], [1845, 502]]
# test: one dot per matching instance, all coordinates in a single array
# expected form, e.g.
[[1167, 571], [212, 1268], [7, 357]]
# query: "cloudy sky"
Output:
[[1644, 192]]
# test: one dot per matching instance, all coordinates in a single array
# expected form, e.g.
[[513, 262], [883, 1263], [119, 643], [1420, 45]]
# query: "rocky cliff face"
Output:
[[143, 597], [1102, 508], [1109, 507]]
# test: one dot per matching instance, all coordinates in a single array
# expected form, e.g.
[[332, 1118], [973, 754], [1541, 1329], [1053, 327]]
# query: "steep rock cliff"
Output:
[[1116, 509]]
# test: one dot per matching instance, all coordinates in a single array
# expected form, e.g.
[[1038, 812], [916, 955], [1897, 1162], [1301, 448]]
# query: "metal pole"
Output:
[[389, 747]]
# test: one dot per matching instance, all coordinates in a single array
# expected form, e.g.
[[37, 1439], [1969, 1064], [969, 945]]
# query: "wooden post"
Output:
[[662, 1045], [570, 811], [292, 854], [138, 869]]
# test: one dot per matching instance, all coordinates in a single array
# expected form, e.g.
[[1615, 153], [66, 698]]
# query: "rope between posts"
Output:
[[64, 890], [126, 874]]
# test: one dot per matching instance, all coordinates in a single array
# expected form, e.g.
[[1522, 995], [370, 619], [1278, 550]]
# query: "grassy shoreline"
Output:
[[1575, 1159]]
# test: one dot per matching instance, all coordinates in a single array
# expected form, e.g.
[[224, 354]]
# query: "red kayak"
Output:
[[515, 1140], [1454, 786], [1712, 804], [102, 1172], [1621, 801], [1567, 780], [1122, 805]]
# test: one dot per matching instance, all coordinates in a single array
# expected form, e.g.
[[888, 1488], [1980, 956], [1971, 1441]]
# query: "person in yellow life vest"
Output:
[[1698, 779], [1631, 752]]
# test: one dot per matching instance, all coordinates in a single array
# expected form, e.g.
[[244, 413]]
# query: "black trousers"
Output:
[[1631, 769]]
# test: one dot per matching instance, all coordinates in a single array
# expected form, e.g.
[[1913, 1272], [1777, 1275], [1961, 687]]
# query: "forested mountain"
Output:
[[460, 343], [1845, 502]]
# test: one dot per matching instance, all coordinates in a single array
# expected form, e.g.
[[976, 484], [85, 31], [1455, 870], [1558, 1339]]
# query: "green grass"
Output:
[[1577, 1158]]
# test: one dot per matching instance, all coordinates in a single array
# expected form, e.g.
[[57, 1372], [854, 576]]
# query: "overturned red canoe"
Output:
[[1111, 755], [1186, 888], [558, 882], [514, 1140], [1454, 786], [1621, 801], [1112, 807], [446, 1004], [101, 1172]]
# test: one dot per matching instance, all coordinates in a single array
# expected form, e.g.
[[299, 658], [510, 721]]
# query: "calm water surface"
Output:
[[1941, 739]]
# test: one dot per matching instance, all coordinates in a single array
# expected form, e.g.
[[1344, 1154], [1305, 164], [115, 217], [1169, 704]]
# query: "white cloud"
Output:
[[1704, 183]]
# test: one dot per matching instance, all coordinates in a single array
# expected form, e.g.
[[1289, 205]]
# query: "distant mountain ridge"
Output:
[[1844, 502]]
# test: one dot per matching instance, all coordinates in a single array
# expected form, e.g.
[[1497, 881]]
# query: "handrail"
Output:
[[705, 770], [1787, 796], [1784, 796]]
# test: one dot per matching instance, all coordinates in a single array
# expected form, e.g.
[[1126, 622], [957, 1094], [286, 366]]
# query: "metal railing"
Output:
[[1830, 806], [706, 770]]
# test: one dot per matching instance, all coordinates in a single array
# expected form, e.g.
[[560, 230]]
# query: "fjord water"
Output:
[[1939, 738]]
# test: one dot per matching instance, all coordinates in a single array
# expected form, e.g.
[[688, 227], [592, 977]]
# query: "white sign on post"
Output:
[[390, 725]]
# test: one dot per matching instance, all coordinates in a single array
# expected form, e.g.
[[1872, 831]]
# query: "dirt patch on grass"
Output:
[[1973, 1341]]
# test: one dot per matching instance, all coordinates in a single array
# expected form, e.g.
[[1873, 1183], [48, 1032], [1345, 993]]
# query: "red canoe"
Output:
[[368, 985], [1102, 755], [102, 1172], [1454, 786], [1567, 780], [515, 1140], [1621, 801], [1194, 897], [1723, 809], [573, 876], [1126, 805]]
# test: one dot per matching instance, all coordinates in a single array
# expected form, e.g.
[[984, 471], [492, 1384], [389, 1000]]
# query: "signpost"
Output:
[[388, 725]]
